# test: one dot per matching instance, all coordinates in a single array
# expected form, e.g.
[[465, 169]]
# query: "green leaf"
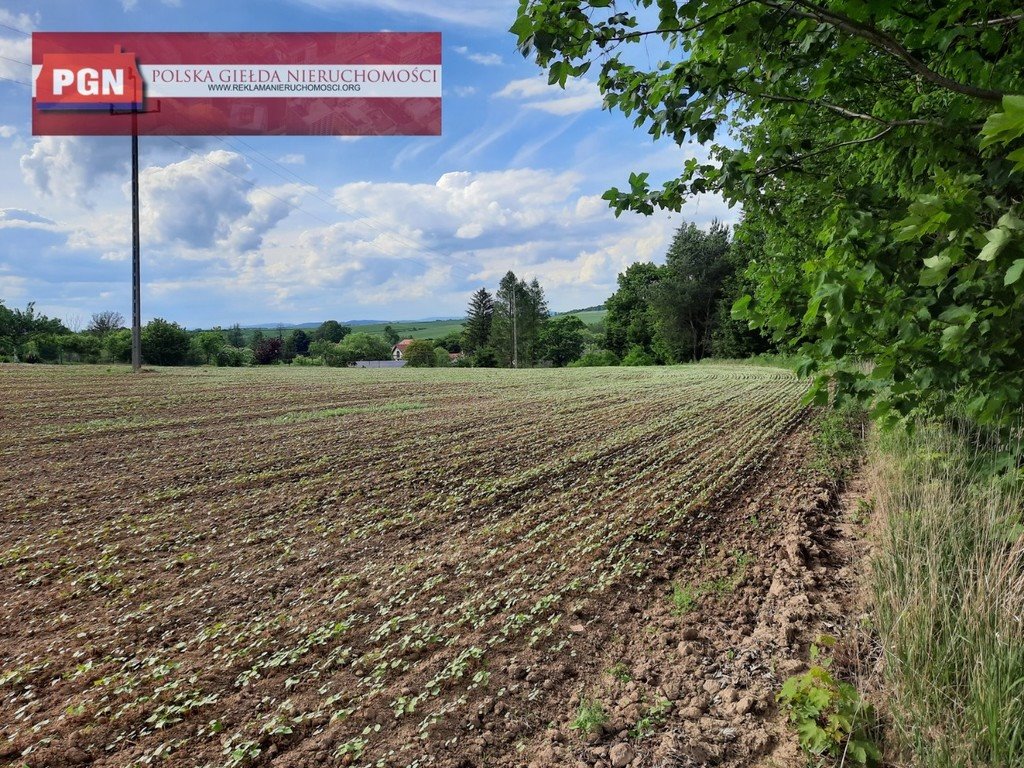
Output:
[[739, 307], [936, 271], [1014, 272], [998, 239]]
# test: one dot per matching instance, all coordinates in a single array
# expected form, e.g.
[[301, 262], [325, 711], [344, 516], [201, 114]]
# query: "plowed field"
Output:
[[305, 567]]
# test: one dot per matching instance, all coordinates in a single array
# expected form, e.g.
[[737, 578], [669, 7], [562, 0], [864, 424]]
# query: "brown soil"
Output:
[[312, 567]]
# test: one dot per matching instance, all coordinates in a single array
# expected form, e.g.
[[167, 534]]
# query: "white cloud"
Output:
[[484, 59], [205, 201], [470, 13], [8, 131], [465, 90], [579, 95], [12, 286], [294, 159], [72, 168], [22, 219]]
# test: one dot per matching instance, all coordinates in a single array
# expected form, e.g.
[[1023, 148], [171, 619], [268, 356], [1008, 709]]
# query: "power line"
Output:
[[19, 82], [15, 29], [16, 61]]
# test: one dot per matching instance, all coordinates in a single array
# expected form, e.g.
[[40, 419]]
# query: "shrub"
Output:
[[268, 351], [165, 343], [420, 354], [117, 346], [235, 357], [206, 345], [596, 358], [485, 357], [830, 717], [637, 355]]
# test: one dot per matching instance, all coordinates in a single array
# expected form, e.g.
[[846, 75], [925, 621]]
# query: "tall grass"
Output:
[[948, 583]]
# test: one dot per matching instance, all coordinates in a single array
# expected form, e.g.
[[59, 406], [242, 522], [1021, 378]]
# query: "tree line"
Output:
[[30, 337], [660, 314]]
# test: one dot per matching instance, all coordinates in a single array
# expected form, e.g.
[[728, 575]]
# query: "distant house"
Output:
[[454, 357], [398, 351]]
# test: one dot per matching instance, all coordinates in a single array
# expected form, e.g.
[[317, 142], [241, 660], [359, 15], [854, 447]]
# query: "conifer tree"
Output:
[[479, 316]]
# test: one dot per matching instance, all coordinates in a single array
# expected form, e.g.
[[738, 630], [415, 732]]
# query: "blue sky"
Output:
[[300, 229]]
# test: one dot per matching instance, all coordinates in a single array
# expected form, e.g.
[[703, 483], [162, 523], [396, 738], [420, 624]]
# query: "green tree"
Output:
[[300, 342], [235, 336], [256, 339], [117, 346], [562, 339], [20, 326], [520, 310], [441, 359], [479, 316], [595, 358], [877, 146], [85, 347], [420, 354], [452, 342], [630, 319], [733, 337], [164, 343], [364, 346], [208, 344], [685, 299], [391, 335], [331, 330]]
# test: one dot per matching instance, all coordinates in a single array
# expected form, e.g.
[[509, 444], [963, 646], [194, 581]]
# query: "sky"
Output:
[[301, 229]]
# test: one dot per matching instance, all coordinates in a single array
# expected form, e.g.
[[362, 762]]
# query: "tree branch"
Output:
[[886, 43], [823, 150], [998, 22], [841, 110]]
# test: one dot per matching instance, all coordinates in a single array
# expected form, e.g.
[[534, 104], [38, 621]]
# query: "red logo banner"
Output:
[[236, 83]]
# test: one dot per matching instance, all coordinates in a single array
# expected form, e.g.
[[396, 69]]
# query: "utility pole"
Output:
[[136, 266]]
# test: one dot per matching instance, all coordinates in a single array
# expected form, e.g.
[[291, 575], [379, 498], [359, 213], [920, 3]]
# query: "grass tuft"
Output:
[[590, 718], [948, 583]]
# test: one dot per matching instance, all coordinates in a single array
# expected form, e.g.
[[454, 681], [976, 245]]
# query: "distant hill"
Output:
[[427, 328]]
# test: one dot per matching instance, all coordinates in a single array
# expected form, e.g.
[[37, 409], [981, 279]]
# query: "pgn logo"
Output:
[[89, 81]]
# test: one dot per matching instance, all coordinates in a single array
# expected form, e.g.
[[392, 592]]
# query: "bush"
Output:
[[485, 357], [206, 345], [30, 353], [441, 359], [268, 351], [637, 355], [830, 717], [365, 346], [596, 358], [235, 357], [420, 354], [165, 343], [117, 346]]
